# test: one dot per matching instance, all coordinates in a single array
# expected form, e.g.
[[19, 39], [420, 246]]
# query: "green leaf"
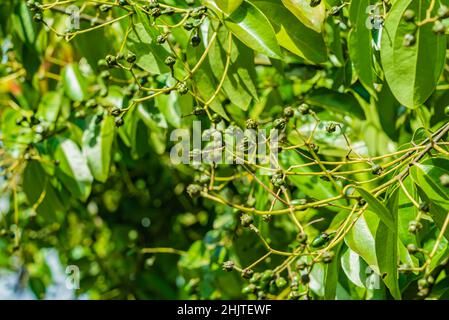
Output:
[[252, 27], [292, 34], [336, 101], [169, 107], [237, 85], [312, 186], [387, 108], [36, 184], [23, 24], [312, 17], [360, 44], [411, 72], [387, 249], [204, 78], [228, 6], [142, 42], [361, 240], [427, 175], [379, 209], [331, 277], [437, 213], [355, 268], [74, 83], [73, 170], [97, 145], [50, 106]]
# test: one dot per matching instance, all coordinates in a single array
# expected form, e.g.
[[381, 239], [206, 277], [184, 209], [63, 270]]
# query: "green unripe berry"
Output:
[[443, 12], [438, 28], [335, 10], [131, 57], [228, 266], [182, 88], [161, 39], [111, 60], [289, 112], [331, 127], [216, 118], [119, 122], [301, 237], [376, 169], [280, 123], [156, 12], [246, 220], [116, 112], [267, 275], [247, 273], [414, 227], [251, 124], [409, 15], [328, 256], [249, 289], [423, 283], [281, 283], [409, 40], [444, 180], [255, 278], [411, 248], [170, 61], [446, 111], [194, 190], [277, 180], [196, 40], [304, 109]]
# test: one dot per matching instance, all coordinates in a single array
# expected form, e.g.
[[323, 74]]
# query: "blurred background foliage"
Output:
[[86, 170]]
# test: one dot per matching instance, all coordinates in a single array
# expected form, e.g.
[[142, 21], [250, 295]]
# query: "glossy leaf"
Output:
[[97, 146], [73, 170], [75, 85], [292, 34], [336, 101], [360, 44], [411, 72], [252, 27], [387, 249], [427, 175], [228, 6], [379, 209], [309, 16]]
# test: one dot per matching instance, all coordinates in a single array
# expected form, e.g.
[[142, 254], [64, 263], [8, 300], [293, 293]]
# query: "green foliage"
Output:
[[356, 205]]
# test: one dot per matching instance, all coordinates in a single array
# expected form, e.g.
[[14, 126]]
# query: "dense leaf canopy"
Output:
[[354, 206]]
